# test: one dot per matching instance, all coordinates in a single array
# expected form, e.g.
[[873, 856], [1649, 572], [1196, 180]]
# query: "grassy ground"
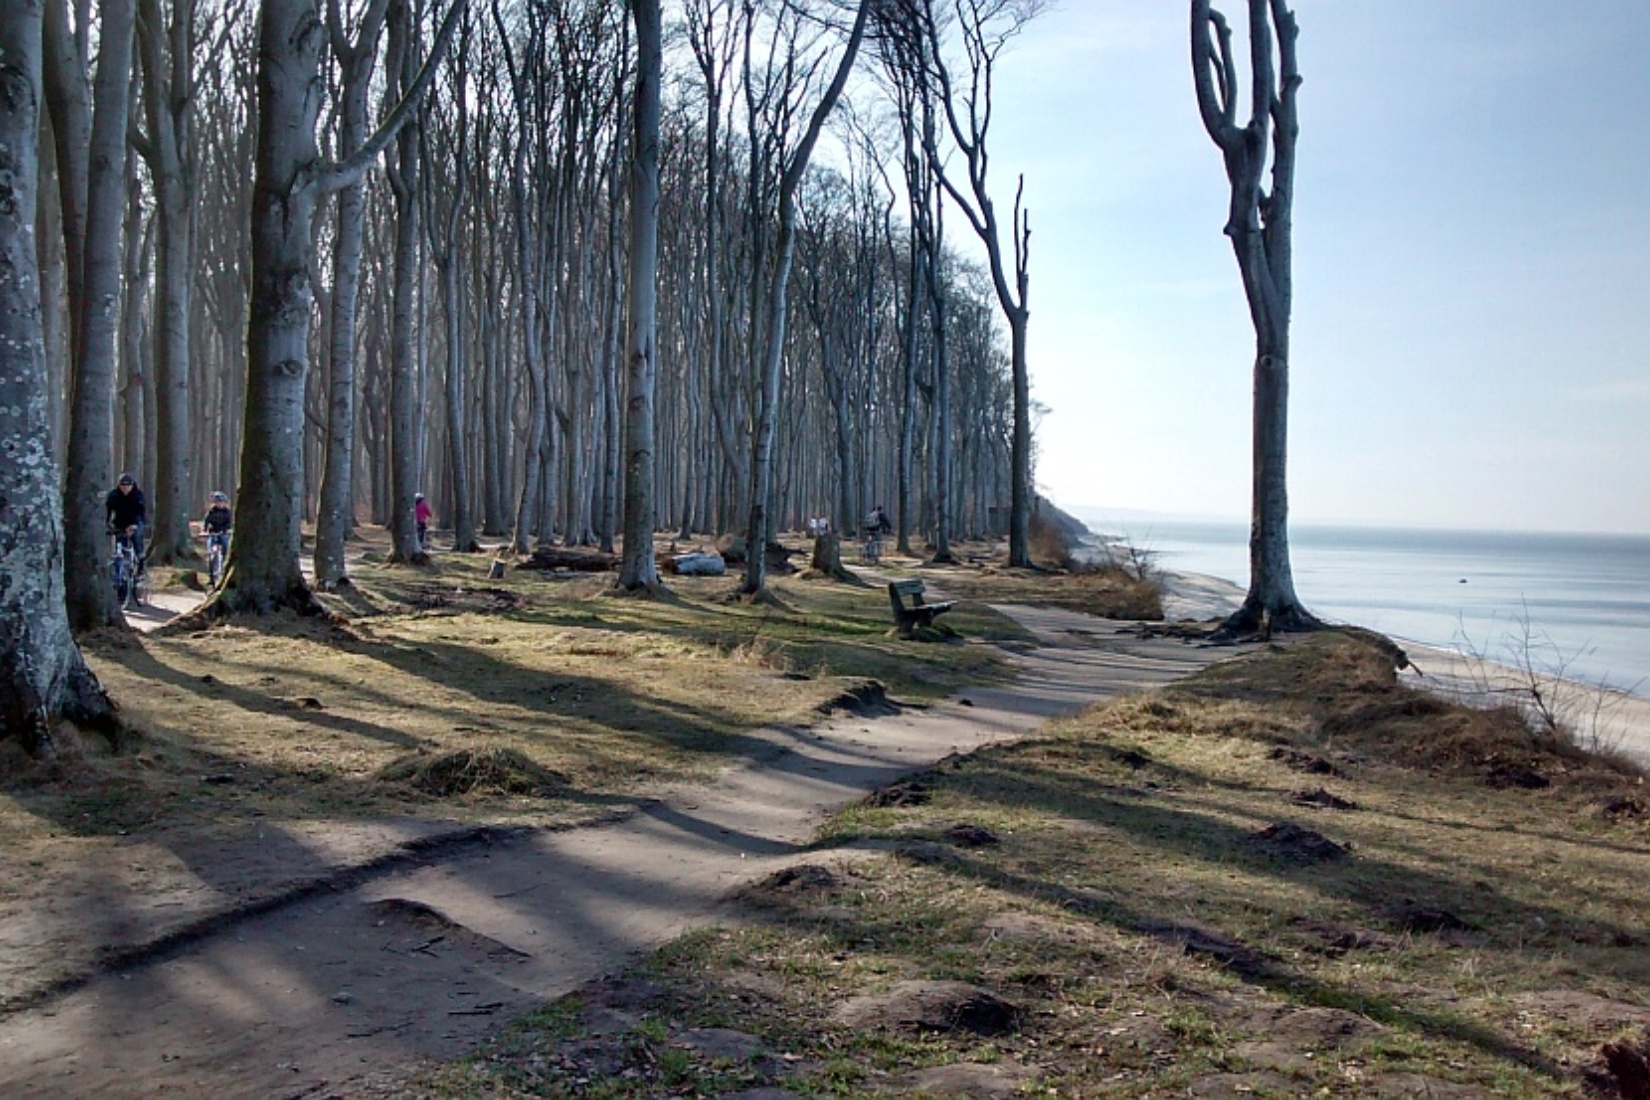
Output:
[[266, 755], [1288, 876], [611, 695]]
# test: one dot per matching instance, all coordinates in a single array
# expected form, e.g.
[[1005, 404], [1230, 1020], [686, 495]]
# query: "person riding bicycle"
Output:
[[218, 521], [127, 514], [877, 523], [422, 515]]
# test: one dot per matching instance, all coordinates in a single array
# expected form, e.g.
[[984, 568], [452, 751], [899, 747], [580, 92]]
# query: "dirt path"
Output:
[[339, 993]]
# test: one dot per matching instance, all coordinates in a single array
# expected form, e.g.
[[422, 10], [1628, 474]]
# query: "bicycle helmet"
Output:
[[418, 496], [126, 479], [220, 497]]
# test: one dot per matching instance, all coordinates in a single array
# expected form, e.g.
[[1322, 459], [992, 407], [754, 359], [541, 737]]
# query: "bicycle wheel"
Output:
[[139, 589], [214, 565], [117, 576]]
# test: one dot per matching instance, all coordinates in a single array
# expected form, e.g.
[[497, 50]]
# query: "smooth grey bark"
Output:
[[759, 530], [42, 675], [135, 452], [983, 28], [444, 235], [405, 408], [528, 249], [167, 52], [1259, 224], [262, 573], [335, 513], [91, 413], [637, 569]]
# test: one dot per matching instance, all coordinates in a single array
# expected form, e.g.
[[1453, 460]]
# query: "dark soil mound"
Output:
[[865, 700], [1323, 798], [473, 771], [931, 1006], [907, 792], [1295, 844]]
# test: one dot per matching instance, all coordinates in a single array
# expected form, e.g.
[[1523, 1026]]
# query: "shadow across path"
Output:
[[422, 957]]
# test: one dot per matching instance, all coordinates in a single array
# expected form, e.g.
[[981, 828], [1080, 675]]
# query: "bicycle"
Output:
[[217, 548], [870, 547], [126, 571]]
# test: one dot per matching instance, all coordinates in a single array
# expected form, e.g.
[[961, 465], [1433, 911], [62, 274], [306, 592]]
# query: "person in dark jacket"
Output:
[[127, 513]]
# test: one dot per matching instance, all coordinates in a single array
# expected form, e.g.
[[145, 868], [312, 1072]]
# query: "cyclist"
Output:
[[421, 518], [216, 525], [127, 514], [876, 525]]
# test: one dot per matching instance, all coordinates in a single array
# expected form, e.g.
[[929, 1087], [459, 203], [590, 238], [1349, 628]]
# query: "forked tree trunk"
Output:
[[42, 675], [1259, 226], [263, 574]]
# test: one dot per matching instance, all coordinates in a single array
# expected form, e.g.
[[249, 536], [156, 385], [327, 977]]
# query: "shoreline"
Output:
[[1600, 718]]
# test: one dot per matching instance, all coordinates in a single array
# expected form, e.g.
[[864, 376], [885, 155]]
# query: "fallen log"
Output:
[[575, 559]]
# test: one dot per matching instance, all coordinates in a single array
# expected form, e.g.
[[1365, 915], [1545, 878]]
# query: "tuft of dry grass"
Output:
[[1149, 887]]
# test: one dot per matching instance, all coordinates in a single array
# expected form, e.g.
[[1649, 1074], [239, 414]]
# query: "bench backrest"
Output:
[[906, 588]]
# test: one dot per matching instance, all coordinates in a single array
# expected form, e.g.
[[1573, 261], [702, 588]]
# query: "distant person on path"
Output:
[[217, 522], [127, 513], [876, 522], [421, 518]]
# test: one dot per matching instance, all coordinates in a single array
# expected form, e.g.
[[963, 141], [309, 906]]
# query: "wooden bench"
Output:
[[909, 616]]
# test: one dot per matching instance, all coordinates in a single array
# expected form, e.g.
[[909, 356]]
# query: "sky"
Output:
[[1471, 333]]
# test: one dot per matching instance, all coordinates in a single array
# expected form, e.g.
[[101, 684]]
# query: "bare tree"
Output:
[[984, 28], [336, 513], [406, 366], [42, 675], [641, 299], [1259, 224], [100, 167], [263, 572], [444, 236], [167, 51], [760, 529]]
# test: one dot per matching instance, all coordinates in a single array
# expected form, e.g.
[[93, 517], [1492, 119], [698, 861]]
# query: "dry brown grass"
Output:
[[545, 701], [1159, 930]]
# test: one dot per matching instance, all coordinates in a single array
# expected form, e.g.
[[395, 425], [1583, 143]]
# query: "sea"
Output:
[[1570, 604]]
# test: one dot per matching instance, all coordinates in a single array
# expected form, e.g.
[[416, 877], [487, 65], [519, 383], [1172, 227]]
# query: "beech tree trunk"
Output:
[[167, 52], [335, 514], [405, 408], [42, 675], [91, 416], [641, 326], [1259, 226], [262, 573], [759, 531]]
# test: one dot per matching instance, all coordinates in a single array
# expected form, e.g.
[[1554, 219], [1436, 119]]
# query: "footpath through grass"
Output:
[[1288, 876], [268, 755]]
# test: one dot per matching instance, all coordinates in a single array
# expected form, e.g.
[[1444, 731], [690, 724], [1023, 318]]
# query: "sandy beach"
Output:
[[1601, 719]]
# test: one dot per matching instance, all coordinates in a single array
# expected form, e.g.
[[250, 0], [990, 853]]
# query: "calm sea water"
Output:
[[1584, 598]]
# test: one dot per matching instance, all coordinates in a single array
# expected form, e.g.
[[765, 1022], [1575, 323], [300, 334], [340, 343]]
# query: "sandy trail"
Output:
[[328, 994]]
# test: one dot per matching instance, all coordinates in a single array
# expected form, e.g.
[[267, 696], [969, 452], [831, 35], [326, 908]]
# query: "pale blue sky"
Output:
[[1472, 264]]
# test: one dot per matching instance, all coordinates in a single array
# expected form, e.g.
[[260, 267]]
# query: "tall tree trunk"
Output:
[[335, 513], [641, 299], [263, 572], [406, 412], [759, 531], [42, 675], [169, 104], [91, 419], [1260, 228]]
